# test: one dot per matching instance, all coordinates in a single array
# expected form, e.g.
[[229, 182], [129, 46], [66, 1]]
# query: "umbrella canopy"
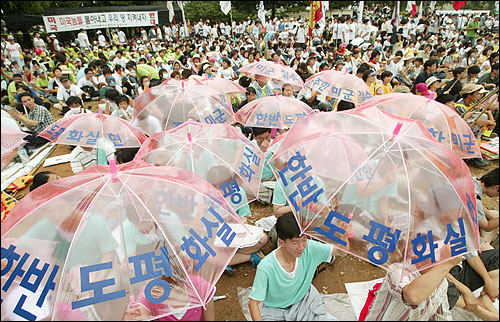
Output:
[[173, 102], [107, 240], [339, 85], [442, 121], [12, 140], [87, 129], [273, 112], [278, 73], [219, 153], [403, 192], [219, 84]]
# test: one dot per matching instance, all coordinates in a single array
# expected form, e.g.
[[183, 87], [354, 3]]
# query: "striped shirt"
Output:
[[388, 304], [42, 116]]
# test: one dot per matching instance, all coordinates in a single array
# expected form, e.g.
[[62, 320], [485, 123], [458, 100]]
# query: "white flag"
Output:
[[433, 5], [170, 11], [409, 5], [420, 10], [262, 13], [181, 5], [322, 21], [225, 6], [360, 11], [325, 5]]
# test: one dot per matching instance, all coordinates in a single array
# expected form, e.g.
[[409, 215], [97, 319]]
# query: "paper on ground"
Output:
[[358, 293], [243, 237], [267, 223], [57, 160]]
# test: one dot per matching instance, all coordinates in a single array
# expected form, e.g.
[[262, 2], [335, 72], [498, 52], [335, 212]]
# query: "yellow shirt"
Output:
[[386, 89]]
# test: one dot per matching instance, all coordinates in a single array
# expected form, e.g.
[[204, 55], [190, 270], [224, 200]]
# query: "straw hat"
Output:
[[471, 88]]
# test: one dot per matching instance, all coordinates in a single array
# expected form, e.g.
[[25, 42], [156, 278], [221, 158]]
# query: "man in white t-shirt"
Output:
[[343, 31], [38, 42], [14, 51], [67, 90], [101, 39], [83, 40]]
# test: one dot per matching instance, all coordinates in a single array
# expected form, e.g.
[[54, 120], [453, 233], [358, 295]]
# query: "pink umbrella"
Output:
[[218, 83], [405, 194], [280, 74], [442, 121], [12, 140], [273, 112], [219, 153], [87, 129], [339, 85], [173, 102], [108, 240]]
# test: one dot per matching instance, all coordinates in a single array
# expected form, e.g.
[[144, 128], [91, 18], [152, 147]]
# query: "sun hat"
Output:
[[470, 88], [431, 80]]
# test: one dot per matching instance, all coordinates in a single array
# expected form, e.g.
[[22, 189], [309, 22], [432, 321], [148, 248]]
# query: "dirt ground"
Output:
[[344, 270]]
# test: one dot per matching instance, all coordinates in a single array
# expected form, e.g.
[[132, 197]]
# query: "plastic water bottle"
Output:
[[23, 155]]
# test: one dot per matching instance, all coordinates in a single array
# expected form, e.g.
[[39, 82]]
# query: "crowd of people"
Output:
[[450, 58]]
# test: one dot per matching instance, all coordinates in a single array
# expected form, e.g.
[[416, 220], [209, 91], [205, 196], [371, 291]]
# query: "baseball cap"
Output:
[[64, 78], [10, 37], [52, 36], [373, 74], [422, 88], [111, 81]]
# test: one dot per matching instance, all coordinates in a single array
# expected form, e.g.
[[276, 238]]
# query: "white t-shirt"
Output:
[[78, 110], [225, 73], [343, 33], [102, 40], [38, 43], [13, 49], [84, 82], [121, 36], [83, 39], [63, 94]]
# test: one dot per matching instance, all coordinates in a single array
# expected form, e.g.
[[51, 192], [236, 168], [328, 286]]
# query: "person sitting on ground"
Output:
[[262, 138], [42, 178], [487, 218], [37, 120], [124, 155], [21, 88], [262, 87], [426, 295], [68, 89], [75, 106], [290, 270], [219, 175], [124, 109], [471, 93]]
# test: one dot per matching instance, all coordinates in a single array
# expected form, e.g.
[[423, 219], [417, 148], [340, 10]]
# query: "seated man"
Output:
[[430, 294], [283, 279], [262, 138], [488, 219], [38, 119]]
